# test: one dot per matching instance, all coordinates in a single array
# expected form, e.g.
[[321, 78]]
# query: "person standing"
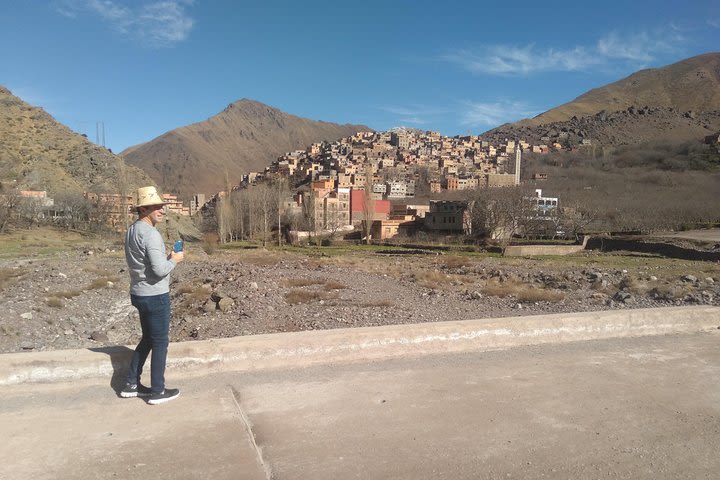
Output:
[[149, 269]]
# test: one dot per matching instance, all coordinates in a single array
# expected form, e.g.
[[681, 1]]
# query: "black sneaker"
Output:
[[135, 390], [164, 396]]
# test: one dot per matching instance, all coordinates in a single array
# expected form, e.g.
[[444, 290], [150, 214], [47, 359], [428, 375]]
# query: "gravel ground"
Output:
[[79, 299]]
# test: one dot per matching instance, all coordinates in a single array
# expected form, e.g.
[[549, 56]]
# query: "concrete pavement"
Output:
[[633, 407], [353, 344]]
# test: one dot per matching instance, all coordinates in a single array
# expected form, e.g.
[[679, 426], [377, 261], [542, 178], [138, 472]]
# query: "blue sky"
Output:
[[146, 67]]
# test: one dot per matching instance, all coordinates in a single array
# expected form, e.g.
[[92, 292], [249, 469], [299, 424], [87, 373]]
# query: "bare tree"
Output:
[[368, 206], [309, 213], [263, 203], [500, 213], [77, 210], [282, 192], [8, 205]]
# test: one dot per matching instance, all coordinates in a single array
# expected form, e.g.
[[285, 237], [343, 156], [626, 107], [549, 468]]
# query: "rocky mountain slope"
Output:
[[38, 153], [672, 104], [246, 136]]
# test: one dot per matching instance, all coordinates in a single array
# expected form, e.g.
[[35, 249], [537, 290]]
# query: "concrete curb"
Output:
[[299, 349]]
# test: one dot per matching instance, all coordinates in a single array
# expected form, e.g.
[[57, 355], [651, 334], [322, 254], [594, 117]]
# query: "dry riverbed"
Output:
[[78, 297]]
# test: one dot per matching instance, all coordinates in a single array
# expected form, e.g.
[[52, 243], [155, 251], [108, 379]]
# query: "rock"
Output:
[[653, 278], [26, 345], [109, 284], [709, 280], [62, 275], [218, 295], [26, 316], [622, 296], [693, 298], [254, 285], [99, 336], [225, 304], [209, 306], [689, 278]]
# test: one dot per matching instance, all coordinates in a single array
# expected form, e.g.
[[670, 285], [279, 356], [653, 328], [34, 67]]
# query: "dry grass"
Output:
[[522, 292], [431, 278], [296, 296], [54, 302], [333, 285], [633, 285], [672, 292], [210, 242], [455, 261], [258, 257], [102, 282], [194, 294], [8, 276]]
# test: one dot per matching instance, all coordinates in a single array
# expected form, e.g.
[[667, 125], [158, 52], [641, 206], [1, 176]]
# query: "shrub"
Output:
[[101, 282], [333, 285], [54, 302], [293, 297], [457, 262], [8, 276], [210, 242], [431, 278]]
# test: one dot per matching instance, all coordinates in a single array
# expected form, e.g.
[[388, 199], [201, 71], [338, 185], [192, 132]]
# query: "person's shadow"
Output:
[[120, 357]]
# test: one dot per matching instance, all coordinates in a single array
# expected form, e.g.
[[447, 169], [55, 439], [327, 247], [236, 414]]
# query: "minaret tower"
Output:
[[518, 155]]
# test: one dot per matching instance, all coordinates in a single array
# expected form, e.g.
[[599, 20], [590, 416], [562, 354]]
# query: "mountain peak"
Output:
[[246, 136]]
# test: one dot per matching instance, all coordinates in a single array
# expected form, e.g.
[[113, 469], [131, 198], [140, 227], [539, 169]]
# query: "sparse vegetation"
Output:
[[102, 282], [54, 302], [68, 293], [333, 285], [209, 242], [8, 276], [295, 296], [431, 278]]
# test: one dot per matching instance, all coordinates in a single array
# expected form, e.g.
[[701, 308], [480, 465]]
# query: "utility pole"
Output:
[[100, 133]]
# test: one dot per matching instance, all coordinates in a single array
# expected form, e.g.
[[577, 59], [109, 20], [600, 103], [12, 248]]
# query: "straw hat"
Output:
[[148, 196]]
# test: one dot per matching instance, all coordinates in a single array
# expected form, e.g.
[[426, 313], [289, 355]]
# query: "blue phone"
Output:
[[178, 247]]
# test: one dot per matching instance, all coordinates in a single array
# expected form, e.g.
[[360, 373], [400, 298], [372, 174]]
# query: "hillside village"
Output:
[[329, 181], [404, 168]]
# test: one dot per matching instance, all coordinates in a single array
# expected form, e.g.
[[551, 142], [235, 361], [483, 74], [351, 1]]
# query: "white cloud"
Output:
[[155, 24], [637, 49], [494, 113]]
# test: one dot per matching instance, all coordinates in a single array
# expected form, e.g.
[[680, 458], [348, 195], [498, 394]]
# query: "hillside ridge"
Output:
[[246, 136]]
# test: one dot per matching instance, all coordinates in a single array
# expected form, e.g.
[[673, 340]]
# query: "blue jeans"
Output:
[[155, 322]]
